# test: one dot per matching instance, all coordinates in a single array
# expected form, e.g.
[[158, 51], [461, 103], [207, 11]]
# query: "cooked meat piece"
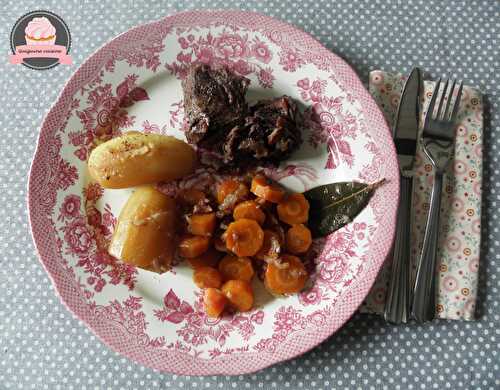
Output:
[[214, 102], [271, 132], [219, 120]]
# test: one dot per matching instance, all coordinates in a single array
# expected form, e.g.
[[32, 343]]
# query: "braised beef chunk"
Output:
[[220, 121], [271, 132], [214, 102]]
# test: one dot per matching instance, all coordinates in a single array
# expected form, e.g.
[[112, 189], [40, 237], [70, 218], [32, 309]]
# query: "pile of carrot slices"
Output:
[[255, 228]]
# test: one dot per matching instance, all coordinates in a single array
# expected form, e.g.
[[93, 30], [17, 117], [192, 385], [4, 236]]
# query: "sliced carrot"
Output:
[[193, 246], [271, 248], [202, 224], [208, 259], [236, 268], [287, 278], [298, 239], [239, 293], [249, 210], [205, 277], [215, 302], [294, 209], [228, 187], [244, 237], [264, 189], [190, 196]]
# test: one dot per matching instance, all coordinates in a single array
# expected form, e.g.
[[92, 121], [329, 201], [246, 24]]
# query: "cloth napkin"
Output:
[[460, 221]]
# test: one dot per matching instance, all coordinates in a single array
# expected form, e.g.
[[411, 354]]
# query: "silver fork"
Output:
[[438, 143]]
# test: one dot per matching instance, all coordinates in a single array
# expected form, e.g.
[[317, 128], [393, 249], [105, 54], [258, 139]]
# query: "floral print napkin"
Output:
[[460, 222]]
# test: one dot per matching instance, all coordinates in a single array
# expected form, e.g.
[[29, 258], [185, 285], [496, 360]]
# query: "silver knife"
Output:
[[405, 133]]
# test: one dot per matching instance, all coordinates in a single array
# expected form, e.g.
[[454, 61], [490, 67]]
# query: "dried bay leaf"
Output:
[[335, 205]]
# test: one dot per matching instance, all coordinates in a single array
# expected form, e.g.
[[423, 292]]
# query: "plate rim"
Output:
[[175, 361]]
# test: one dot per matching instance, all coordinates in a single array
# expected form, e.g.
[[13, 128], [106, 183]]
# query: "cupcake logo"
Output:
[[40, 31], [40, 40]]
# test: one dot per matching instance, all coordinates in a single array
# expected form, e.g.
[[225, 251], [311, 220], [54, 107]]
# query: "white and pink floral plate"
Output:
[[133, 82]]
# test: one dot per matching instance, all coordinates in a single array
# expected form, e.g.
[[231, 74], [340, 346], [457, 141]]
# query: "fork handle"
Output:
[[424, 294], [398, 294]]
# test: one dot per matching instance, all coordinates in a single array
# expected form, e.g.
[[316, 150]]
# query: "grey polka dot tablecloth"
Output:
[[42, 346]]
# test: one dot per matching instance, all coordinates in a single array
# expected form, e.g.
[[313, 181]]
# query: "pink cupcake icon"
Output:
[[40, 31]]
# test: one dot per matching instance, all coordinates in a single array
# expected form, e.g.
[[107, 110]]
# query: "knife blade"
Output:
[[405, 133]]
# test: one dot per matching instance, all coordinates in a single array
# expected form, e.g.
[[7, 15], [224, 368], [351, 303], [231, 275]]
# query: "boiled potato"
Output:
[[144, 234], [137, 158]]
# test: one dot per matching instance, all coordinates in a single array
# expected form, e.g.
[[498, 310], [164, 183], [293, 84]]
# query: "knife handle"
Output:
[[397, 304], [424, 293]]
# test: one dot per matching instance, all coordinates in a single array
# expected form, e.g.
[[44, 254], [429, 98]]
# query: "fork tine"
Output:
[[439, 113], [457, 103], [432, 103], [446, 114]]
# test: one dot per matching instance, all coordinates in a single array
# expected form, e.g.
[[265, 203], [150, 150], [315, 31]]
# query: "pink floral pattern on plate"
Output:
[[232, 47], [133, 83], [460, 230]]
